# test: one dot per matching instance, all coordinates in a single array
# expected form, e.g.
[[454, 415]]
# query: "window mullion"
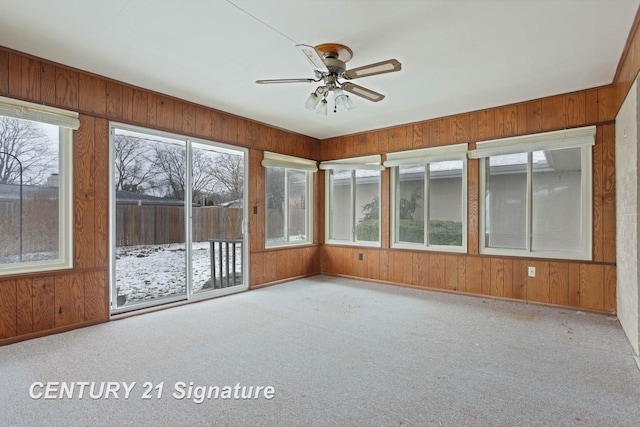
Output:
[[353, 205], [426, 204], [529, 219], [285, 208]]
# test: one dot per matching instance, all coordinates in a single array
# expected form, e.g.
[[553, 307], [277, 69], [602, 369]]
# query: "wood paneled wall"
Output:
[[39, 304], [588, 285]]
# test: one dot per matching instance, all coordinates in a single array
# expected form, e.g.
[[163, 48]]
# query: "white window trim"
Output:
[[67, 121], [39, 113], [372, 162], [276, 160], [425, 156], [583, 138]]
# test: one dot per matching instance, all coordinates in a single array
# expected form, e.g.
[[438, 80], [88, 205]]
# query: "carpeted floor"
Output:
[[330, 352]]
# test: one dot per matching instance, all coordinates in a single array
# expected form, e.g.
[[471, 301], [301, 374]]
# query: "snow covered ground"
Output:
[[148, 272]]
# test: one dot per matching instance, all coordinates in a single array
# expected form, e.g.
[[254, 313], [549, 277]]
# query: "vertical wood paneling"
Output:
[[189, 120], [15, 75], [460, 128], [519, 277], [574, 285], [559, 282], [592, 286], [4, 73], [474, 275], [96, 299], [24, 305], [486, 276], [152, 110], [256, 261], [140, 106], [497, 277], [30, 79], [384, 265], [434, 133], [486, 124], [552, 113], [127, 103], [373, 264], [114, 100], [270, 259], [450, 272], [538, 288], [608, 194], [534, 116], [420, 269], [84, 194], [203, 124], [8, 307], [462, 272], [69, 300], [43, 294], [67, 88], [418, 141], [598, 180], [92, 94], [101, 193], [446, 131], [610, 288], [436, 271], [165, 112], [47, 84], [591, 106], [607, 105], [575, 109]]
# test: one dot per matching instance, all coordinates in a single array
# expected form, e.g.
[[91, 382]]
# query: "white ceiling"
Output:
[[456, 56]]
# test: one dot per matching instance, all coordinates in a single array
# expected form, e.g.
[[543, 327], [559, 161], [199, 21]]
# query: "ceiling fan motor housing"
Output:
[[334, 65]]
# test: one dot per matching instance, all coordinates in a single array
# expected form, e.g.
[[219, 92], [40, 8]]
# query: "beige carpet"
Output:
[[335, 352]]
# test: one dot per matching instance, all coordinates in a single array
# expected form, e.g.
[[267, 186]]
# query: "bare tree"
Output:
[[24, 143], [133, 165], [171, 167], [228, 173]]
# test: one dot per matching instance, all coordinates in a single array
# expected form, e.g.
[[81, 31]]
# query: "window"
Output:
[[537, 194], [429, 198], [288, 183], [35, 187], [353, 200]]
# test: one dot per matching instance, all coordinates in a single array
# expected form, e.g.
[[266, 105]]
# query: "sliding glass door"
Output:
[[177, 214]]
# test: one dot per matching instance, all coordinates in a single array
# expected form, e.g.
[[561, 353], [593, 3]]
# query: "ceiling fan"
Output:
[[329, 62]]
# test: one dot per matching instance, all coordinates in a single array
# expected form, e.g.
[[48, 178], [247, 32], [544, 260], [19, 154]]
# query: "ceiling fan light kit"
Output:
[[329, 63]]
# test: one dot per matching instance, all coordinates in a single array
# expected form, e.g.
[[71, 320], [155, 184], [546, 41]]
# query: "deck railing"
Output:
[[226, 263]]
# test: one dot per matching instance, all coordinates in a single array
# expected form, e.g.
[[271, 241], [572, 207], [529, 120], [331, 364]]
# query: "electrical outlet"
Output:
[[360, 256], [532, 272]]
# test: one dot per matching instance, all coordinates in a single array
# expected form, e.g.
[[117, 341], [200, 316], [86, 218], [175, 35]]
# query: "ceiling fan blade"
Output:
[[264, 82], [363, 92], [313, 57], [388, 66]]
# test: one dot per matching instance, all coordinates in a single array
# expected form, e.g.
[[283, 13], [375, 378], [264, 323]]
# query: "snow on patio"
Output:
[[148, 272]]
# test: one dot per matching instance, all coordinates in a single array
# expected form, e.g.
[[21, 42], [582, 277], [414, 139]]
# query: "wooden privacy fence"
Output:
[[158, 224]]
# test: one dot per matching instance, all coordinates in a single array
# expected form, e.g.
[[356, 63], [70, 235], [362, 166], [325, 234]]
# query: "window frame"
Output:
[[67, 122], [353, 164], [425, 157], [276, 160], [583, 138]]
